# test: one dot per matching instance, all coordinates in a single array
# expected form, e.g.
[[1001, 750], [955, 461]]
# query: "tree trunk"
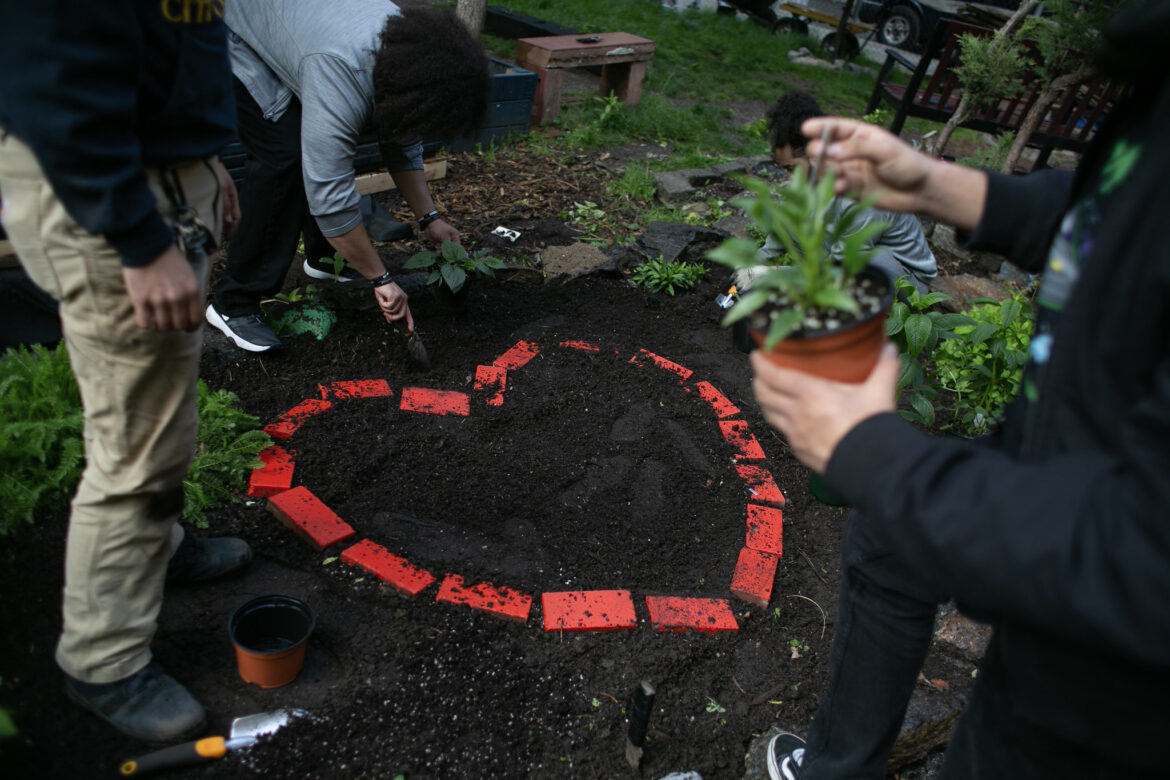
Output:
[[843, 29], [471, 13], [964, 110], [1036, 113]]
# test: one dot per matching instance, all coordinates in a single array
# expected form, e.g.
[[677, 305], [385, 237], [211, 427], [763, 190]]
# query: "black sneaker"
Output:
[[198, 559], [785, 755], [149, 705], [324, 271], [248, 331]]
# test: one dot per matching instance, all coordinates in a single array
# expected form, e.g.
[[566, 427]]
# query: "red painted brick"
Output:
[[407, 579], [760, 483], [519, 354], [286, 425], [421, 399], [275, 476], [588, 610], [764, 529], [738, 435], [584, 346], [719, 402], [669, 613], [755, 572], [505, 602], [487, 377], [661, 362], [304, 513], [362, 388]]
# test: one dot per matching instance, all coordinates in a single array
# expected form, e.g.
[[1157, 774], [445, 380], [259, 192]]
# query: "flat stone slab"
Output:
[[573, 260]]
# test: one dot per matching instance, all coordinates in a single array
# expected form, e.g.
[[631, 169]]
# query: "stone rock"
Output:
[[930, 720], [671, 239], [520, 274], [573, 260], [755, 762], [965, 287], [734, 225], [673, 187], [944, 237], [1012, 274], [700, 177], [968, 637]]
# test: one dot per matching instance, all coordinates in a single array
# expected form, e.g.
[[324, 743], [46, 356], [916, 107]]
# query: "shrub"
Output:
[[659, 275], [983, 365], [42, 452]]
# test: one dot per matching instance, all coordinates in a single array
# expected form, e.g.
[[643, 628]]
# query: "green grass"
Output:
[[701, 62]]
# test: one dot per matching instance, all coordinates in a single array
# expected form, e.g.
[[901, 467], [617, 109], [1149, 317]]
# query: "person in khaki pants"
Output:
[[113, 198]]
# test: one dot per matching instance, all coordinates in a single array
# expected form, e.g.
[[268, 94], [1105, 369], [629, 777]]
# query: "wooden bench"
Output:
[[621, 56], [1069, 124]]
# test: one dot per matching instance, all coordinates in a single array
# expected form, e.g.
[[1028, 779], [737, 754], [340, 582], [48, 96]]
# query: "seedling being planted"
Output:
[[452, 265]]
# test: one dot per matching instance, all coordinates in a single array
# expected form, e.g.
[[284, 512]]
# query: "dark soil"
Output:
[[599, 471]]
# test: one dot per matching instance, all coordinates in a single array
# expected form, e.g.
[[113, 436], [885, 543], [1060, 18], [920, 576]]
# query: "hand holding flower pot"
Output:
[[824, 312]]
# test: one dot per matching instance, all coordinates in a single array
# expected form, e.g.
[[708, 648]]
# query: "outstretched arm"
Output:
[[872, 161]]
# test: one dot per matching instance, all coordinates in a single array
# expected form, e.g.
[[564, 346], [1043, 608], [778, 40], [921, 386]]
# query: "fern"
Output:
[[226, 451], [42, 452]]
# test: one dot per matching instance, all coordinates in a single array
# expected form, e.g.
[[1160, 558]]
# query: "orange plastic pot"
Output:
[[846, 354], [270, 634]]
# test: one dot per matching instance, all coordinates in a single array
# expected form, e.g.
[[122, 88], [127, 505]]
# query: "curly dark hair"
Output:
[[786, 117], [431, 77]]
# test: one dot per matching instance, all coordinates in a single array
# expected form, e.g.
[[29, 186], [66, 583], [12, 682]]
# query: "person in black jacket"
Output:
[[111, 116], [1055, 532]]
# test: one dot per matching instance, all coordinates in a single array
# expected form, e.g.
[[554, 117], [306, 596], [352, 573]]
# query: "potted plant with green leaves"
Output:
[[451, 268], [822, 309]]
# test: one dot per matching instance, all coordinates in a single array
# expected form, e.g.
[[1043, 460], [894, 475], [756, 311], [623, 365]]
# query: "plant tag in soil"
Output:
[[507, 233]]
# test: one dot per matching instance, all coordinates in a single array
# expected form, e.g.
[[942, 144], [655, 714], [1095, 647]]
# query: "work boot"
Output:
[[198, 559], [149, 705]]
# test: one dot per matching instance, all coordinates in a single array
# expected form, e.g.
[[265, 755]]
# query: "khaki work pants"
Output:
[[138, 388]]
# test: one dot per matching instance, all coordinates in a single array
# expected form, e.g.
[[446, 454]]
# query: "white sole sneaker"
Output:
[[220, 323], [346, 276]]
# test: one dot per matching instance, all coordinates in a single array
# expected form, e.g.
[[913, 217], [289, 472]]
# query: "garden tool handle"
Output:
[[177, 755]]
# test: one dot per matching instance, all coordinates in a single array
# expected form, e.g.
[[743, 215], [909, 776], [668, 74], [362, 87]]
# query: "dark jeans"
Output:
[[885, 620], [884, 627], [274, 210]]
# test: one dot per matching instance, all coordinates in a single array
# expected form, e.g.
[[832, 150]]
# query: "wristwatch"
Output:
[[427, 219]]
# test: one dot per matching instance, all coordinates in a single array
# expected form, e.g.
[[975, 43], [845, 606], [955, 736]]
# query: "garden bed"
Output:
[[604, 467]]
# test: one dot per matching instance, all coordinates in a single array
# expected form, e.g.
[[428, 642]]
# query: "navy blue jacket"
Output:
[[102, 91]]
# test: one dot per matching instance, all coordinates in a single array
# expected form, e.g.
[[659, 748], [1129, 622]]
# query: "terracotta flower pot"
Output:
[[270, 634], [846, 354]]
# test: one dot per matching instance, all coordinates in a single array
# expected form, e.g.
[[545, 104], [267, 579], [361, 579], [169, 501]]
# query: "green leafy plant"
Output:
[[879, 116], [593, 222], [983, 364], [299, 295], [824, 253], [659, 275], [305, 315], [917, 330], [42, 452], [225, 453], [714, 706], [338, 262], [452, 265]]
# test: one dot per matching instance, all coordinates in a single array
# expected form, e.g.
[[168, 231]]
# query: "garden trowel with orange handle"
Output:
[[244, 733]]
